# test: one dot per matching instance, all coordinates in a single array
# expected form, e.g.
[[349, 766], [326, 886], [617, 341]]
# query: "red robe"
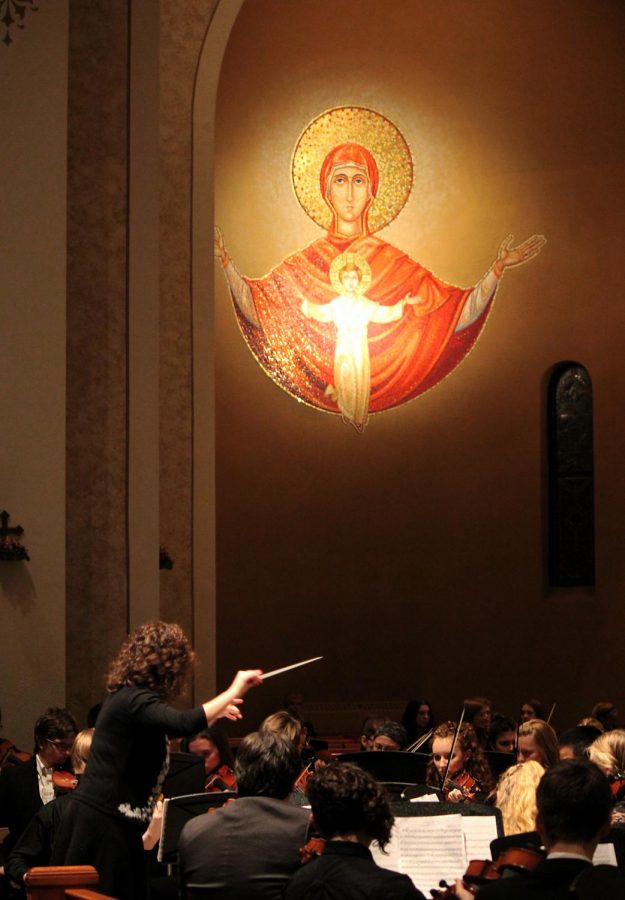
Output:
[[407, 357]]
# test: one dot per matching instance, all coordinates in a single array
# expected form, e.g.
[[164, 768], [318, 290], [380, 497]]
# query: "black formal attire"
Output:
[[19, 798], [550, 880], [111, 807], [246, 850], [346, 871], [34, 846]]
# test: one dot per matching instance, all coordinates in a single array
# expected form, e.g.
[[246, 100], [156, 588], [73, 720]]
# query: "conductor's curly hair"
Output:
[[347, 800], [157, 656]]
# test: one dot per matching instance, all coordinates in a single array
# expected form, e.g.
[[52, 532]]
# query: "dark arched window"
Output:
[[571, 487]]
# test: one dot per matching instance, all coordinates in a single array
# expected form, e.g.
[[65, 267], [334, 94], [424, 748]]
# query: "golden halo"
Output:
[[381, 138], [350, 259]]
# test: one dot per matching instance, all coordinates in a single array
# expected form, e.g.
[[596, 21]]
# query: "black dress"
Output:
[[112, 806]]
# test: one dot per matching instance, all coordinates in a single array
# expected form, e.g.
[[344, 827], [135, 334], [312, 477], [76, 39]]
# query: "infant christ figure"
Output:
[[351, 312]]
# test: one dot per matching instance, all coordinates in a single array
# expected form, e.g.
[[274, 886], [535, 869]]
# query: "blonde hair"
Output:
[[80, 750], [516, 796], [608, 751], [282, 722], [594, 723], [545, 739]]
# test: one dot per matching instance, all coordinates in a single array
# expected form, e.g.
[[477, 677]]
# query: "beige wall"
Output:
[[32, 349], [411, 556]]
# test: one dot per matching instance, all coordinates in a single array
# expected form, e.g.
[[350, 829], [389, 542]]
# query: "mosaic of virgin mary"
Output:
[[352, 173]]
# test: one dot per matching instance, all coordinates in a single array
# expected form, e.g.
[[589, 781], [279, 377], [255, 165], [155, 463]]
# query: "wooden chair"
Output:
[[50, 882], [85, 894]]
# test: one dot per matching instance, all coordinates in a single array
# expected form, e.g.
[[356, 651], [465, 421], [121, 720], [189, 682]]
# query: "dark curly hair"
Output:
[[347, 800], [157, 656], [476, 765]]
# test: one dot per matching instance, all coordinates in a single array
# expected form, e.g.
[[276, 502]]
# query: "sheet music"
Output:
[[427, 848], [478, 832], [426, 798], [605, 855]]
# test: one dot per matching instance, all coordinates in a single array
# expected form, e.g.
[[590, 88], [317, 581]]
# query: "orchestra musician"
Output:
[[369, 728], [537, 740], [466, 769], [212, 746], [532, 709], [109, 810], [502, 735], [389, 736], [351, 810], [26, 787], [478, 711], [515, 796], [573, 814], [608, 752], [574, 742], [251, 846], [417, 719]]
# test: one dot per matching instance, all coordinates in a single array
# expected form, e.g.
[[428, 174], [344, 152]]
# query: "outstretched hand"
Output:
[[244, 680], [509, 256], [220, 247]]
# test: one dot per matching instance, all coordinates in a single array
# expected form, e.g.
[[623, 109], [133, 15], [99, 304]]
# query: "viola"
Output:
[[479, 872], [64, 781], [222, 779]]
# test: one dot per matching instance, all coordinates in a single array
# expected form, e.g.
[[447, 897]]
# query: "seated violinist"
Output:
[[418, 720], [478, 711], [515, 796], [608, 752], [537, 740], [532, 709], [389, 736], [292, 728], [368, 730], [350, 810], [574, 742], [34, 847], [249, 848], [213, 747], [502, 735], [573, 814], [463, 775], [26, 787]]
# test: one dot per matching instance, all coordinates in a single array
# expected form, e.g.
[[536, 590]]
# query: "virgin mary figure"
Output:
[[407, 354]]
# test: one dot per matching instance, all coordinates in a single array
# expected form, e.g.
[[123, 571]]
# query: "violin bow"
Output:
[[551, 711], [453, 747], [416, 745]]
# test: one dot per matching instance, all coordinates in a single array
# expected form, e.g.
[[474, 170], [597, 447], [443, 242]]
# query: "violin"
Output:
[[463, 782], [10, 755], [222, 779], [63, 780], [617, 786], [516, 860], [313, 848], [321, 758]]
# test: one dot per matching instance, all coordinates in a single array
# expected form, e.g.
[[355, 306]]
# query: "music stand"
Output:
[[177, 811], [185, 775], [499, 761], [394, 768]]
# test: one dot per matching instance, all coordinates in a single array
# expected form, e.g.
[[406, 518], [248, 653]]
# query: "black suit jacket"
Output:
[[346, 871], [19, 797], [246, 849], [550, 880]]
